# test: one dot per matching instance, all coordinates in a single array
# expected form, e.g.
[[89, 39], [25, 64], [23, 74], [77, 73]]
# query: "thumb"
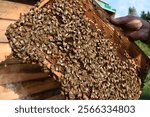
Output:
[[121, 20], [137, 35]]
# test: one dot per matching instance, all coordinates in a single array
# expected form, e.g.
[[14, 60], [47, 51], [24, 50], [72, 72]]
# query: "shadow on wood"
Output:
[[26, 81]]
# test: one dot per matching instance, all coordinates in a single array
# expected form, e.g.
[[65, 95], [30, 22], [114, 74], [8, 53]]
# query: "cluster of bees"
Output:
[[90, 66]]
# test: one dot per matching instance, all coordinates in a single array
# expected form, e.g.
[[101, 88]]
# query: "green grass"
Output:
[[144, 47], [146, 89]]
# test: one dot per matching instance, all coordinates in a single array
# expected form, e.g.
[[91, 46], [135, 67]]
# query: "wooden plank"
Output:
[[20, 77], [5, 51], [7, 94], [10, 72], [10, 61], [19, 68], [24, 91], [3, 27], [37, 87], [9, 13], [43, 95], [12, 10], [57, 97]]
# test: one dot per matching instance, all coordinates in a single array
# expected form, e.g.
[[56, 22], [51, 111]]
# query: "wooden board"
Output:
[[5, 51], [25, 81], [9, 13]]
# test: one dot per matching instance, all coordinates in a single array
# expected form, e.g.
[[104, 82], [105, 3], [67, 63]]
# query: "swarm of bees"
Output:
[[62, 40]]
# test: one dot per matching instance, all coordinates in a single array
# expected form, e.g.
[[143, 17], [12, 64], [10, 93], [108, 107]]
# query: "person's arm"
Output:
[[134, 27]]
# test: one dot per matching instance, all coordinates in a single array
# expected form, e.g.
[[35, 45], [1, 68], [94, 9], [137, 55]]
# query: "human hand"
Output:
[[134, 27]]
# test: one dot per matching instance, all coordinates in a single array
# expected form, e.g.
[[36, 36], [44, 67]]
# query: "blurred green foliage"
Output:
[[144, 47], [132, 11], [145, 16]]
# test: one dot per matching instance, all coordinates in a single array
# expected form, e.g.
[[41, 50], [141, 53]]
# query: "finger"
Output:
[[133, 35], [128, 22], [137, 35], [135, 24], [121, 20]]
